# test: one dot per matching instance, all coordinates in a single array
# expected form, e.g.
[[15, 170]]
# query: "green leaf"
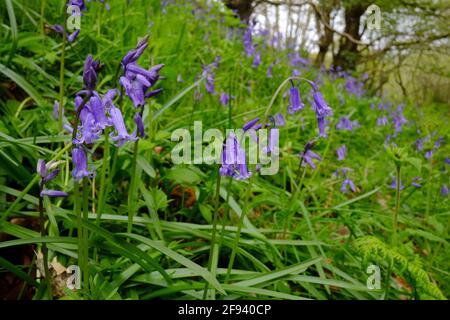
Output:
[[144, 165], [203, 272]]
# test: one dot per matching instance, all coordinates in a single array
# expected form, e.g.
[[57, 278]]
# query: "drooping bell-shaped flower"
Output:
[[295, 102], [80, 165], [224, 99], [53, 193], [347, 183], [119, 124], [90, 73], [139, 124], [322, 110], [234, 160], [342, 152]]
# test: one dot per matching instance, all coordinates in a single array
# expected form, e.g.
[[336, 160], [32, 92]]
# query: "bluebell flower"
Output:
[[444, 190], [247, 39], [90, 73], [394, 183], [354, 87], [345, 123], [296, 73], [428, 154], [137, 80], [139, 124], [342, 152], [322, 110], [224, 99], [53, 193], [415, 183], [308, 155], [256, 60], [252, 124], [295, 102], [347, 183], [234, 160], [119, 124], [80, 169], [295, 59], [382, 121], [278, 120]]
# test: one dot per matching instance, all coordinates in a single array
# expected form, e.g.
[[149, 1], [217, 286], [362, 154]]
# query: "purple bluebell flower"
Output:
[[119, 124], [354, 87], [72, 37], [80, 165], [247, 39], [322, 110], [447, 160], [382, 121], [342, 152], [278, 120], [139, 124], [428, 154], [234, 160], [224, 99], [57, 28], [393, 184], [97, 108], [415, 183], [308, 157], [296, 73], [90, 73], [345, 123], [256, 60], [347, 183], [444, 190], [41, 169], [53, 193], [78, 3], [208, 74], [60, 30], [438, 142], [252, 124], [137, 80], [296, 60], [295, 102]]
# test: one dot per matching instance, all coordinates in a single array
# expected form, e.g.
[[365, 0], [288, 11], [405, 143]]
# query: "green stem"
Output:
[[85, 251], [132, 192], [61, 73], [214, 229], [44, 245], [397, 207], [238, 234], [77, 212], [105, 167]]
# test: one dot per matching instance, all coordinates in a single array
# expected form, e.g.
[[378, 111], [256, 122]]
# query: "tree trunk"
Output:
[[243, 8], [348, 54], [326, 36]]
